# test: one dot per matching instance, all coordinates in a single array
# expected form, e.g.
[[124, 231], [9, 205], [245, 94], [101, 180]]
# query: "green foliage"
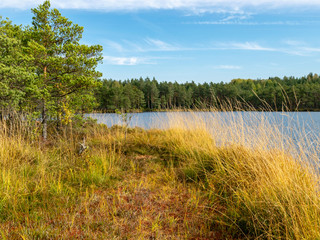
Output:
[[16, 74], [288, 93], [65, 69], [44, 68]]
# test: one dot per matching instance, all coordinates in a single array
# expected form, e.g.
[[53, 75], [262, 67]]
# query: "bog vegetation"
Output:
[[198, 179]]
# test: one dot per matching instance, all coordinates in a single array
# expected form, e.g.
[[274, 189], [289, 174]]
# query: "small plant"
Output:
[[125, 119]]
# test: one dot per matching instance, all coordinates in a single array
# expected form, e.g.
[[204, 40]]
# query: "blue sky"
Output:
[[199, 40]]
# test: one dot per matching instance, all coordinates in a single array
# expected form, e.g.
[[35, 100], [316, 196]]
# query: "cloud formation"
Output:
[[150, 45], [157, 45], [227, 67], [144, 45], [251, 23], [196, 5], [252, 46], [126, 61]]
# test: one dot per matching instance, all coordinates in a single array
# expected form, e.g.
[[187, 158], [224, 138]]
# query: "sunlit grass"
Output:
[[267, 183], [200, 178]]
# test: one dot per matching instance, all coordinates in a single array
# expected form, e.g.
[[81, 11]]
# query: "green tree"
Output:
[[170, 95], [138, 101], [154, 95], [64, 67], [16, 74]]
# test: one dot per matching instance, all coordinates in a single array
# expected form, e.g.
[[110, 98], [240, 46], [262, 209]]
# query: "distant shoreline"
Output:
[[194, 110]]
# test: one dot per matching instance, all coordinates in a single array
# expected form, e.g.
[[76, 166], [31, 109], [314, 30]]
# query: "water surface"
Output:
[[309, 121], [298, 129]]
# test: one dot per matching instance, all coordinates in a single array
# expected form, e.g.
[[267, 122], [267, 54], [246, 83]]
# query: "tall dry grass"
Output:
[[43, 184], [266, 182], [219, 176]]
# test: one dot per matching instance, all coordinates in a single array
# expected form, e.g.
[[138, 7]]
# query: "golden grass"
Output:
[[202, 178], [267, 189]]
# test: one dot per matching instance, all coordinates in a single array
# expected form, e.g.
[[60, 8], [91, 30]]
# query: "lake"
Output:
[[297, 131], [147, 120]]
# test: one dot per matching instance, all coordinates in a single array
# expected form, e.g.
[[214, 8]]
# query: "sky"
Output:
[[193, 40]]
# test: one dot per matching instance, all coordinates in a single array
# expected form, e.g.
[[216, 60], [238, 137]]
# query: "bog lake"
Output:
[[308, 121], [301, 128]]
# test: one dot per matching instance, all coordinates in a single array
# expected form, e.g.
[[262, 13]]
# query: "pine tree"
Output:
[[64, 67], [16, 74]]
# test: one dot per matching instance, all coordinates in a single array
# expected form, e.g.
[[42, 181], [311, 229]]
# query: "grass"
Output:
[[202, 178]]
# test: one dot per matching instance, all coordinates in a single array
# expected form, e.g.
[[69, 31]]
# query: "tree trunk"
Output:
[[44, 111], [44, 122]]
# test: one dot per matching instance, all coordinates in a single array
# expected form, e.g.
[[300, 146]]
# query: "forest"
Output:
[[288, 94]]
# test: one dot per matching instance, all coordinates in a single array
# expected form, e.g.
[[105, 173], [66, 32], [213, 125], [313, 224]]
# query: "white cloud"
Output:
[[250, 23], [126, 61], [293, 48], [299, 48], [114, 45], [158, 45], [149, 45], [144, 45], [251, 46], [235, 17], [228, 67], [311, 49], [244, 46], [294, 43], [196, 5]]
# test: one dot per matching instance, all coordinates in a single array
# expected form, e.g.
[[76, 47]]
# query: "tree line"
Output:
[[288, 93]]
